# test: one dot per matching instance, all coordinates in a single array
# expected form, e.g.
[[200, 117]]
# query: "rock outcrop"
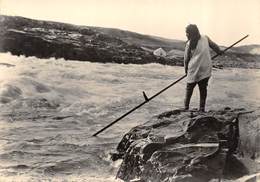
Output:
[[185, 146], [45, 39]]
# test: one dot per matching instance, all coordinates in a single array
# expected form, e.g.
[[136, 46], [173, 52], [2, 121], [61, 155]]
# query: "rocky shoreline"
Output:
[[45, 39], [22, 36], [191, 146]]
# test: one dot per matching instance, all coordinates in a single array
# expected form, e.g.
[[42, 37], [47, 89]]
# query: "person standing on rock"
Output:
[[198, 64]]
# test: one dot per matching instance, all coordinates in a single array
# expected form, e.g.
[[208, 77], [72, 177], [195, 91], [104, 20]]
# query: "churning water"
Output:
[[50, 108]]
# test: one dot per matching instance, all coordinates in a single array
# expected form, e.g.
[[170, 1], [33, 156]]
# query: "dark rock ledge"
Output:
[[45, 39], [190, 146]]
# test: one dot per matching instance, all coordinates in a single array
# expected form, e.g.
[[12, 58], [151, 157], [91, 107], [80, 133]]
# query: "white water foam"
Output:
[[50, 108]]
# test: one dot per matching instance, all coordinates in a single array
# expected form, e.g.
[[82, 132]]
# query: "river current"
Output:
[[49, 110]]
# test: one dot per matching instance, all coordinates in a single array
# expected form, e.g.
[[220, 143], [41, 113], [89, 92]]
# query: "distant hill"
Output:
[[149, 41], [248, 49], [154, 42], [44, 39]]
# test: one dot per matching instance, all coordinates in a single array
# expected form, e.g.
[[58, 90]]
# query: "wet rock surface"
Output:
[[185, 146]]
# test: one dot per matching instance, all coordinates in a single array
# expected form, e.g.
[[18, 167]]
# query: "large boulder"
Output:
[[183, 146]]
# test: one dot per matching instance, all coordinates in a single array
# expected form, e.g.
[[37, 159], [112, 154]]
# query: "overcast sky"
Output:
[[225, 21]]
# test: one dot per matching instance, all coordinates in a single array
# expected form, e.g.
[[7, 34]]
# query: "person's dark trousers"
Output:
[[203, 93]]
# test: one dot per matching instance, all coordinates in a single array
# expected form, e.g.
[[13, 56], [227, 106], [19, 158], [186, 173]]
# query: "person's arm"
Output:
[[214, 46]]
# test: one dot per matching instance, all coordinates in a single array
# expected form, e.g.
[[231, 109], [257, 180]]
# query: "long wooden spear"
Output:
[[158, 93]]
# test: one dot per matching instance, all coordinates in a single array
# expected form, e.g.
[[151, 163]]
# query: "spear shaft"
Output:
[[158, 93]]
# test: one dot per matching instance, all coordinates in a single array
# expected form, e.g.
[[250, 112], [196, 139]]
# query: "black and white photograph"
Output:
[[129, 91]]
